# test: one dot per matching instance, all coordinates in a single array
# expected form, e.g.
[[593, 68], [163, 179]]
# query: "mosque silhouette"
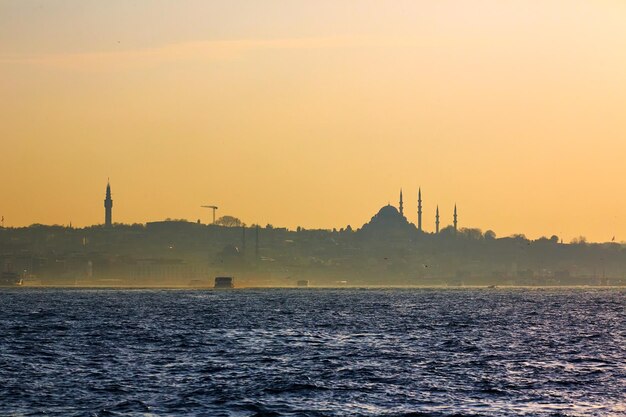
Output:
[[391, 220]]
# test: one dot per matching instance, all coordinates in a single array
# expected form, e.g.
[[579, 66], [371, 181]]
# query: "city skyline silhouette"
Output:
[[313, 208]]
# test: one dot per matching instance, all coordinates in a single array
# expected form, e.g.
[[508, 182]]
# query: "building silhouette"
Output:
[[387, 223], [108, 207], [386, 214]]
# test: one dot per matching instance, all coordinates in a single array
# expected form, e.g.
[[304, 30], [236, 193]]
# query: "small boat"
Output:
[[303, 283], [224, 282]]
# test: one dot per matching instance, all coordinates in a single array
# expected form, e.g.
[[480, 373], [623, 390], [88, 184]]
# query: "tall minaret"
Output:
[[419, 209], [437, 220], [401, 204], [108, 207], [455, 219]]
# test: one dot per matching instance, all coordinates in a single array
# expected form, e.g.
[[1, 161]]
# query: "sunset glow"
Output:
[[315, 114]]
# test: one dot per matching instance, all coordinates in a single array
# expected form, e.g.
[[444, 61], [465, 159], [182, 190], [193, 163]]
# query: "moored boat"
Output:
[[224, 282]]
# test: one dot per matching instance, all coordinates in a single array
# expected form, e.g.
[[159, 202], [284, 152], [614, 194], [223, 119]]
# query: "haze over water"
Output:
[[313, 352]]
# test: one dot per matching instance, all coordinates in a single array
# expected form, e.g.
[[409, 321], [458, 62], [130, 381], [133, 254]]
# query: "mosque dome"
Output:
[[387, 211], [387, 220]]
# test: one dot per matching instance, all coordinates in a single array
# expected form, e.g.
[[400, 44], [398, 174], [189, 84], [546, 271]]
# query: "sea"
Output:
[[313, 352]]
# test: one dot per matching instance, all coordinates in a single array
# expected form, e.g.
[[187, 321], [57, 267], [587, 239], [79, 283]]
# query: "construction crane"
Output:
[[213, 208]]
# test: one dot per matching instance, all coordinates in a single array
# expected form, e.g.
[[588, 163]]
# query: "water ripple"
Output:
[[312, 353]]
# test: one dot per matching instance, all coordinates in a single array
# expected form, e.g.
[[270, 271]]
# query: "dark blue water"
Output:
[[312, 352]]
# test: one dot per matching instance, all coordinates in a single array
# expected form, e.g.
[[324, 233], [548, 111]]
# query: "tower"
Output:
[[108, 207], [419, 209], [437, 220], [401, 204], [455, 219]]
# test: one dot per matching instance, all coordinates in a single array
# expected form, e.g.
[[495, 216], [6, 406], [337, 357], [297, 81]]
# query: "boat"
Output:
[[303, 283], [224, 282]]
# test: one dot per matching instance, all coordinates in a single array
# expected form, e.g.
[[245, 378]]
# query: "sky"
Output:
[[315, 114]]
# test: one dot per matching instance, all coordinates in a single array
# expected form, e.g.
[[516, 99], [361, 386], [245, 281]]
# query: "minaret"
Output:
[[401, 204], [455, 219], [419, 210], [437, 220], [108, 207]]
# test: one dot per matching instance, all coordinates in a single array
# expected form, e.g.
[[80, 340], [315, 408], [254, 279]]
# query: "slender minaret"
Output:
[[401, 204], [455, 219], [108, 207], [419, 209], [437, 220]]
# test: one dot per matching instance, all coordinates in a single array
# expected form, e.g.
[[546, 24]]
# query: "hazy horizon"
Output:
[[316, 114]]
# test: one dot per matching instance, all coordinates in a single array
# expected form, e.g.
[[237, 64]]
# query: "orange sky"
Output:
[[316, 113]]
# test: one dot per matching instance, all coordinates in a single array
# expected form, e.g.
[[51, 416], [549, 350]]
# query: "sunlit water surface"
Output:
[[312, 352]]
